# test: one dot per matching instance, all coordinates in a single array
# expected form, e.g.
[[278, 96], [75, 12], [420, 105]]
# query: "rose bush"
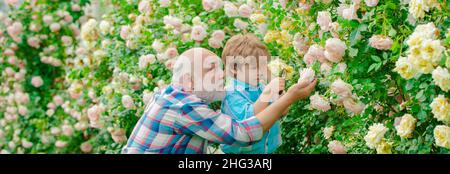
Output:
[[76, 75]]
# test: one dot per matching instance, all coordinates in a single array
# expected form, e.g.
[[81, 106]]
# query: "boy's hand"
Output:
[[301, 91]]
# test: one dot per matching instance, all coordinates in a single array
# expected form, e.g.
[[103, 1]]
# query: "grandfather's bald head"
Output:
[[200, 67]]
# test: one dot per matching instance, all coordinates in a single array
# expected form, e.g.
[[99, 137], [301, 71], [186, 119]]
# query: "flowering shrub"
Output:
[[75, 77]]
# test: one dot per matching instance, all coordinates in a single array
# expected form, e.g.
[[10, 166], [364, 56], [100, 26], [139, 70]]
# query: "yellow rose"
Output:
[[271, 36], [442, 136], [286, 24], [284, 38], [406, 126], [405, 68], [277, 65], [424, 66], [441, 78], [375, 135], [89, 31], [384, 148], [258, 18], [432, 51], [441, 109]]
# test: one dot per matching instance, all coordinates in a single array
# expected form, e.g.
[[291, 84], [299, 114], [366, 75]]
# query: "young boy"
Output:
[[245, 58]]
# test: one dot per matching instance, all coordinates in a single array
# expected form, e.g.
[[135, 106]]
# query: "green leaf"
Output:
[[375, 58]]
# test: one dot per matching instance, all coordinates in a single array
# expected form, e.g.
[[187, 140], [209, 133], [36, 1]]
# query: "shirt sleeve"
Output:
[[198, 119]]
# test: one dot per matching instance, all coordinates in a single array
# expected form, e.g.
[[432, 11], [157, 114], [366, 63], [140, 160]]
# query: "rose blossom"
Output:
[[371, 3], [341, 88], [198, 33], [15, 29], [239, 24], [214, 43], [86, 147], [349, 13], [118, 135], [33, 42], [145, 6], [324, 20], [37, 81], [380, 42], [210, 5], [353, 105], [230, 9], [124, 32], [55, 27], [306, 76], [299, 44], [328, 132], [334, 50], [11, 2], [319, 102], [145, 60], [171, 52], [127, 102], [336, 147], [218, 35], [245, 11], [61, 144], [315, 52]]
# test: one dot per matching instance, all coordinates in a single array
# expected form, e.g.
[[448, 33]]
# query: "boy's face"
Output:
[[252, 72]]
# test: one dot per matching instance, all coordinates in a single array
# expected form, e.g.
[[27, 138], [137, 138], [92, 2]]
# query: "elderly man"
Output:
[[178, 119]]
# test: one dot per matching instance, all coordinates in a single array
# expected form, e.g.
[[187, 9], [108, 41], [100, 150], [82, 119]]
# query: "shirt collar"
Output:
[[240, 84]]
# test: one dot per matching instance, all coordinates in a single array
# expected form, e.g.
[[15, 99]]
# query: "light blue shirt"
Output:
[[238, 103]]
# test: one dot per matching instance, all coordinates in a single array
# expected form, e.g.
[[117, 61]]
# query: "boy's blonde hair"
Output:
[[241, 49]]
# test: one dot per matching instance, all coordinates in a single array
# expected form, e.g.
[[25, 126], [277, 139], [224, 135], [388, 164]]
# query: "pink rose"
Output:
[[15, 29], [349, 13], [325, 68], [118, 135], [334, 50], [145, 6], [230, 9], [371, 3], [214, 43], [299, 44], [171, 52], [173, 22], [198, 33], [164, 3], [336, 147], [380, 42], [145, 60], [55, 27], [22, 110], [48, 19], [218, 35], [11, 2], [9, 71], [353, 105], [319, 102], [341, 88], [8, 52], [124, 31], [239, 24], [245, 11], [210, 5], [324, 20], [37, 81], [127, 102], [67, 130], [76, 7], [58, 100], [67, 40], [307, 75], [86, 147], [315, 52], [61, 144], [68, 18]]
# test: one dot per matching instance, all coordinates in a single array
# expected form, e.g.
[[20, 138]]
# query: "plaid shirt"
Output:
[[175, 121]]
